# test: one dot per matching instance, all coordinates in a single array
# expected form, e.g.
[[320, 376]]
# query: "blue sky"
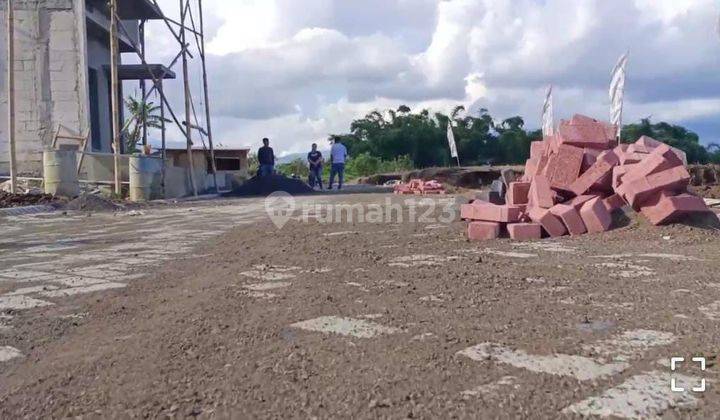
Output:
[[296, 71]]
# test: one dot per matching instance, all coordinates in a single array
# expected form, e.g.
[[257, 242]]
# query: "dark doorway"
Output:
[[94, 110]]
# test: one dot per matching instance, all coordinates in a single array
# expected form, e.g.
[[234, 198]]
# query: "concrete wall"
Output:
[[50, 77]]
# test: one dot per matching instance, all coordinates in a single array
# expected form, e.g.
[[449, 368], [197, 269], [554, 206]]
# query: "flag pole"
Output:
[[617, 93], [451, 142], [548, 118]]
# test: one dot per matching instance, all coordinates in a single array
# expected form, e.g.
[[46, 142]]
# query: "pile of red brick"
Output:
[[576, 178], [420, 187]]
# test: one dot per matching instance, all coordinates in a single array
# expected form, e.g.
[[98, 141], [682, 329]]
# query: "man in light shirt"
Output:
[[338, 155]]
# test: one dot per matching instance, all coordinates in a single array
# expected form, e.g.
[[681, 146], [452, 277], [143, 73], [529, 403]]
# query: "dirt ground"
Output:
[[362, 320]]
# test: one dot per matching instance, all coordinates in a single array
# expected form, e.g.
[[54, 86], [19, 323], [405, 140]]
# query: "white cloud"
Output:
[[298, 71]]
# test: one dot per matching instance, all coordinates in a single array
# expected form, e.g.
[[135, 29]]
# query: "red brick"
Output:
[[674, 179], [648, 144], [621, 148], [550, 166], [596, 217], [618, 175], [635, 149], [609, 156], [531, 168], [596, 173], [614, 202], [564, 168], [551, 223], [570, 217], [542, 163], [525, 231], [654, 199], [669, 153], [629, 158], [540, 193], [586, 132], [652, 164], [578, 201], [610, 130], [604, 183], [660, 159], [517, 193], [483, 231], [487, 212], [553, 144], [538, 148], [589, 158], [670, 209], [579, 119]]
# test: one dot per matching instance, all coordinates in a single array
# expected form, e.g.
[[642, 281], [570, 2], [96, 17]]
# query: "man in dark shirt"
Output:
[[315, 161], [266, 159]]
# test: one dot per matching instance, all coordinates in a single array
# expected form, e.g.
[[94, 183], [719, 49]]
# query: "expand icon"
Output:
[[674, 362]]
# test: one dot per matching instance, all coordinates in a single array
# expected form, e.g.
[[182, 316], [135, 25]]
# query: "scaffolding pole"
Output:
[[207, 98], [186, 80], [162, 139], [11, 94], [143, 89], [185, 127], [114, 100]]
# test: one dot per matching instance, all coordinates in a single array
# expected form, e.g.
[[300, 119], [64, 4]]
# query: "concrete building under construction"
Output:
[[66, 84], [62, 58]]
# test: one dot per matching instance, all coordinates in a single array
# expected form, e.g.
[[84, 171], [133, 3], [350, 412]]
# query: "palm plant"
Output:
[[142, 115]]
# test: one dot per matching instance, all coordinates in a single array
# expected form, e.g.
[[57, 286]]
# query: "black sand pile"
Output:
[[92, 202], [21, 200], [266, 185]]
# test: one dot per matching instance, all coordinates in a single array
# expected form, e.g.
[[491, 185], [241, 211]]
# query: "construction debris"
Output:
[[20, 200], [576, 178], [419, 187], [92, 202]]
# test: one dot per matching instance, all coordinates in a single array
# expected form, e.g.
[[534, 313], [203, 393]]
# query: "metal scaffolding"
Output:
[[191, 122], [179, 30]]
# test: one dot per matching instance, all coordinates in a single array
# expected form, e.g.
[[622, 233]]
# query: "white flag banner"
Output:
[[617, 91], [451, 142], [548, 119]]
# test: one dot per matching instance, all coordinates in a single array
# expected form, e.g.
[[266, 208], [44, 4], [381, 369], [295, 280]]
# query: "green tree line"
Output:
[[421, 137]]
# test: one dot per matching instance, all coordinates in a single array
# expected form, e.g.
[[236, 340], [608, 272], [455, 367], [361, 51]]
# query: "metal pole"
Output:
[[207, 99], [142, 84], [186, 80], [152, 76], [162, 137], [114, 100], [11, 95]]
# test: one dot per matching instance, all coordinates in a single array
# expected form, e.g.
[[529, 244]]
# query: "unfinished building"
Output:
[[67, 86], [62, 74]]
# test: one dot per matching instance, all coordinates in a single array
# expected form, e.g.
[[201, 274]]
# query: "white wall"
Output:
[[50, 77]]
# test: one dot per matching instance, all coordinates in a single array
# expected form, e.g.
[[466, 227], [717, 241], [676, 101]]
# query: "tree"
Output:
[[297, 167], [422, 137], [142, 115]]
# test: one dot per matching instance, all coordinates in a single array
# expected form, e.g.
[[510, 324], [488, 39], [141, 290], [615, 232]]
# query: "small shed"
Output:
[[231, 164]]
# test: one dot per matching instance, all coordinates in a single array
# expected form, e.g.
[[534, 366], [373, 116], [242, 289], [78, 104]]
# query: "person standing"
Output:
[[266, 159], [338, 156], [315, 161]]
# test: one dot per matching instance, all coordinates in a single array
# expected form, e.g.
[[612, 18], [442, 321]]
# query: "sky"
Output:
[[298, 70]]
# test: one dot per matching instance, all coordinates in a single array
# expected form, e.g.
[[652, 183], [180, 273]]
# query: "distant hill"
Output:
[[302, 156]]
